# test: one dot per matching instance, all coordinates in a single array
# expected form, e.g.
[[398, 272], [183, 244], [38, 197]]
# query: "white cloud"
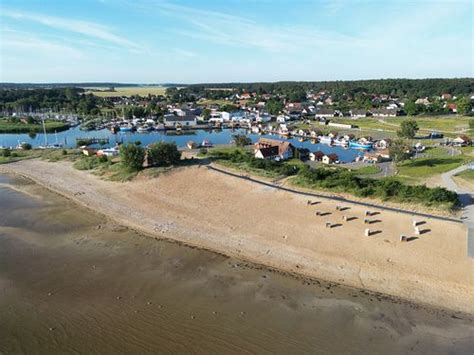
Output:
[[86, 28], [224, 29]]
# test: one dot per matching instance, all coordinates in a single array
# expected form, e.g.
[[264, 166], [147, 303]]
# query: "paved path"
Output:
[[336, 198], [467, 201]]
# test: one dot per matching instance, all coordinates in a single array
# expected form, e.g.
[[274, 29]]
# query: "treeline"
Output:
[[70, 99], [345, 181], [410, 88]]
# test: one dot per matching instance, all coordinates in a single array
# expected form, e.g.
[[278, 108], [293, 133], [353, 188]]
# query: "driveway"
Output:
[[467, 201]]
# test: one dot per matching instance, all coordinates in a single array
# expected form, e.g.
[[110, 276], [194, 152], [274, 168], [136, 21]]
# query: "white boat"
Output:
[[143, 129], [325, 140], [206, 143], [341, 142]]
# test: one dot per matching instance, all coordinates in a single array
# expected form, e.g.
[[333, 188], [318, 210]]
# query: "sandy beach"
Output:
[[241, 219]]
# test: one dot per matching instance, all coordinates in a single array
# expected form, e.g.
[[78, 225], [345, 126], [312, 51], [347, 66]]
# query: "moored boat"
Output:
[[358, 145], [206, 143]]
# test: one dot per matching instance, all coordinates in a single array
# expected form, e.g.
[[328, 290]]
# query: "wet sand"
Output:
[[71, 281]]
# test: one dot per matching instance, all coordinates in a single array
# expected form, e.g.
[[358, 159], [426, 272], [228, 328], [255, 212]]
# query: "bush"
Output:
[[6, 153], [26, 146], [64, 152], [103, 159], [241, 140], [163, 154], [132, 156]]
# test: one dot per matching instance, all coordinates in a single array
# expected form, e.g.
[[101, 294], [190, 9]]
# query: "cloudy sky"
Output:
[[154, 41]]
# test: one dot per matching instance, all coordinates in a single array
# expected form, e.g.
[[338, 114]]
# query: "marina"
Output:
[[104, 138]]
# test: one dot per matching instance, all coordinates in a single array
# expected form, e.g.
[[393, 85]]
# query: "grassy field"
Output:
[[6, 126], [450, 125], [214, 102], [128, 91], [467, 175], [436, 161]]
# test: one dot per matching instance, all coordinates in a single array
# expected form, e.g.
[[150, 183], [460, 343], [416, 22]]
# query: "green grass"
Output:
[[219, 102], [436, 161], [7, 126], [368, 170], [467, 175], [447, 124], [128, 91], [243, 166]]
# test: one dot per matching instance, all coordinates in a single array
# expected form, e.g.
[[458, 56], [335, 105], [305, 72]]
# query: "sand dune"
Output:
[[278, 229]]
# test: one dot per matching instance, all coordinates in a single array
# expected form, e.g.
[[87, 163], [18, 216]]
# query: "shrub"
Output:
[[6, 153], [163, 154], [132, 156], [26, 146]]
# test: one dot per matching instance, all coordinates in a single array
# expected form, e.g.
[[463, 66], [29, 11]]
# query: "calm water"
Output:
[[73, 282], [68, 138]]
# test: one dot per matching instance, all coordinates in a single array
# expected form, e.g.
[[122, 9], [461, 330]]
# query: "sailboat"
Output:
[[46, 145]]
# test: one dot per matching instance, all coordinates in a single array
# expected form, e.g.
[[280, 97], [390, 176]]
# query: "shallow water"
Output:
[[72, 282]]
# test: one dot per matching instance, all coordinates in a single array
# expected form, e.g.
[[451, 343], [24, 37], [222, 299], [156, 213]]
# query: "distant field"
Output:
[[128, 91], [7, 126]]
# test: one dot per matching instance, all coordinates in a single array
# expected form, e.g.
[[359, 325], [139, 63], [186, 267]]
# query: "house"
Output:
[[302, 153], [245, 96], [385, 112], [172, 120], [285, 150], [324, 112], [452, 107], [383, 143], [282, 118], [376, 156], [267, 152], [330, 158], [263, 117], [423, 101], [446, 96], [461, 141], [359, 113], [316, 156]]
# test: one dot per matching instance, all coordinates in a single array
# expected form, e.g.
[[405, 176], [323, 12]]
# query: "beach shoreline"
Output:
[[203, 209]]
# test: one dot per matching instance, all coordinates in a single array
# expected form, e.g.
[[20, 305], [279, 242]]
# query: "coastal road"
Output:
[[467, 201], [335, 198]]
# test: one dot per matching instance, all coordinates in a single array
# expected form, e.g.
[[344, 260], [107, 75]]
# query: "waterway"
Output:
[[73, 282], [224, 136]]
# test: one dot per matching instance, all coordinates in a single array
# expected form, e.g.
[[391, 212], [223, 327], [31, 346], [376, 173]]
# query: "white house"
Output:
[[171, 120], [267, 148], [330, 158]]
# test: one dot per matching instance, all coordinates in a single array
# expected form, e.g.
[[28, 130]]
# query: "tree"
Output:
[[464, 106], [206, 113], [411, 108], [241, 140], [408, 129], [163, 154], [228, 108], [132, 156], [274, 106], [398, 151]]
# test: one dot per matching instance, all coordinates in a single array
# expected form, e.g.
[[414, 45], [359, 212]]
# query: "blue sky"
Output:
[[155, 41]]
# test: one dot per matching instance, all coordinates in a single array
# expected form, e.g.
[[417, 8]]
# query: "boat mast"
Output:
[[44, 131]]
